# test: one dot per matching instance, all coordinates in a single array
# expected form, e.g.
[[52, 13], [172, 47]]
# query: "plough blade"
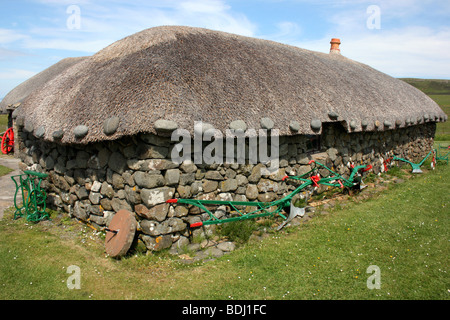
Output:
[[294, 212]]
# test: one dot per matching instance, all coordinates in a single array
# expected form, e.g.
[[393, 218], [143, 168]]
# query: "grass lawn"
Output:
[[4, 170], [3, 122], [443, 128], [402, 229]]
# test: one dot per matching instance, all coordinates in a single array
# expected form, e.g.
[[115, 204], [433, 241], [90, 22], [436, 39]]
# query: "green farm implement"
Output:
[[442, 155], [415, 166], [33, 196], [310, 179]]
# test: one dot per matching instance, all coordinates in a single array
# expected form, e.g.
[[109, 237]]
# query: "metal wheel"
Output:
[[8, 141]]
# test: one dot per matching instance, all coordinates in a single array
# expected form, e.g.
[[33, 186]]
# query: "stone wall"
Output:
[[92, 182]]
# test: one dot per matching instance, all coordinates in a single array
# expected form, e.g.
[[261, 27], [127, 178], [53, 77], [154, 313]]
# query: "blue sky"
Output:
[[403, 38]]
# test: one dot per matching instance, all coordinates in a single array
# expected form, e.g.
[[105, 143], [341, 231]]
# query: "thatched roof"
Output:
[[185, 74], [19, 93]]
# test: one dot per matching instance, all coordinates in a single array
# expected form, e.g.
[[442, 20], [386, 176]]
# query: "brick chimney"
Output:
[[335, 46]]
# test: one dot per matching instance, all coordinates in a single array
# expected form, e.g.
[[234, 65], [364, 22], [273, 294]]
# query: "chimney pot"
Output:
[[335, 42]]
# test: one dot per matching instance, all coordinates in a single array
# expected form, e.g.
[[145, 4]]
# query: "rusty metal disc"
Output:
[[120, 234]]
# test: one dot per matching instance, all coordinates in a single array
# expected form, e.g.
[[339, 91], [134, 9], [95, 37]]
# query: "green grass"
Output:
[[403, 230], [430, 86], [4, 170], [443, 128], [3, 122], [439, 91]]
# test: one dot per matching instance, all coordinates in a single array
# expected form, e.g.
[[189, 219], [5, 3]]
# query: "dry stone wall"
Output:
[[92, 182]]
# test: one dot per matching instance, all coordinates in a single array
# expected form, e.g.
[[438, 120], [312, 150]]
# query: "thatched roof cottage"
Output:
[[101, 128]]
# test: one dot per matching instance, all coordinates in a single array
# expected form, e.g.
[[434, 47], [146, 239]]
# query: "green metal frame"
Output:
[[415, 166], [263, 208], [440, 156], [33, 196]]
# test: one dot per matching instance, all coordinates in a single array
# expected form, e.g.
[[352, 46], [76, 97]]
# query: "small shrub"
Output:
[[238, 231]]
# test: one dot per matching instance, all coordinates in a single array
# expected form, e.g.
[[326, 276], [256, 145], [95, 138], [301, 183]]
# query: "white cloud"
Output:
[[102, 25], [9, 36], [14, 74]]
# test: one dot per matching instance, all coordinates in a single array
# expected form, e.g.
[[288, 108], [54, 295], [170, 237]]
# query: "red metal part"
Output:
[[197, 224], [315, 179], [7, 144]]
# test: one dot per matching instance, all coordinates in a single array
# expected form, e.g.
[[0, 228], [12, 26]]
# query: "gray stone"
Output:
[[28, 126], [267, 123], [79, 211], [196, 187], [49, 163], [148, 151], [256, 173], [82, 159], [238, 125], [106, 204], [81, 193], [241, 180], [165, 126], [94, 197], [228, 185], [118, 204], [213, 175], [267, 197], [213, 252], [118, 181], [96, 185], [209, 186], [107, 190], [316, 124], [158, 243], [333, 115], [149, 181], [58, 134], [39, 133], [332, 153], [353, 124], [220, 212], [154, 228], [252, 192], [158, 164], [188, 167], [117, 162], [80, 131], [172, 177], [180, 211], [103, 157], [151, 197], [226, 246], [294, 125], [158, 212], [266, 185], [184, 191], [110, 125], [93, 163], [187, 178], [387, 124]]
